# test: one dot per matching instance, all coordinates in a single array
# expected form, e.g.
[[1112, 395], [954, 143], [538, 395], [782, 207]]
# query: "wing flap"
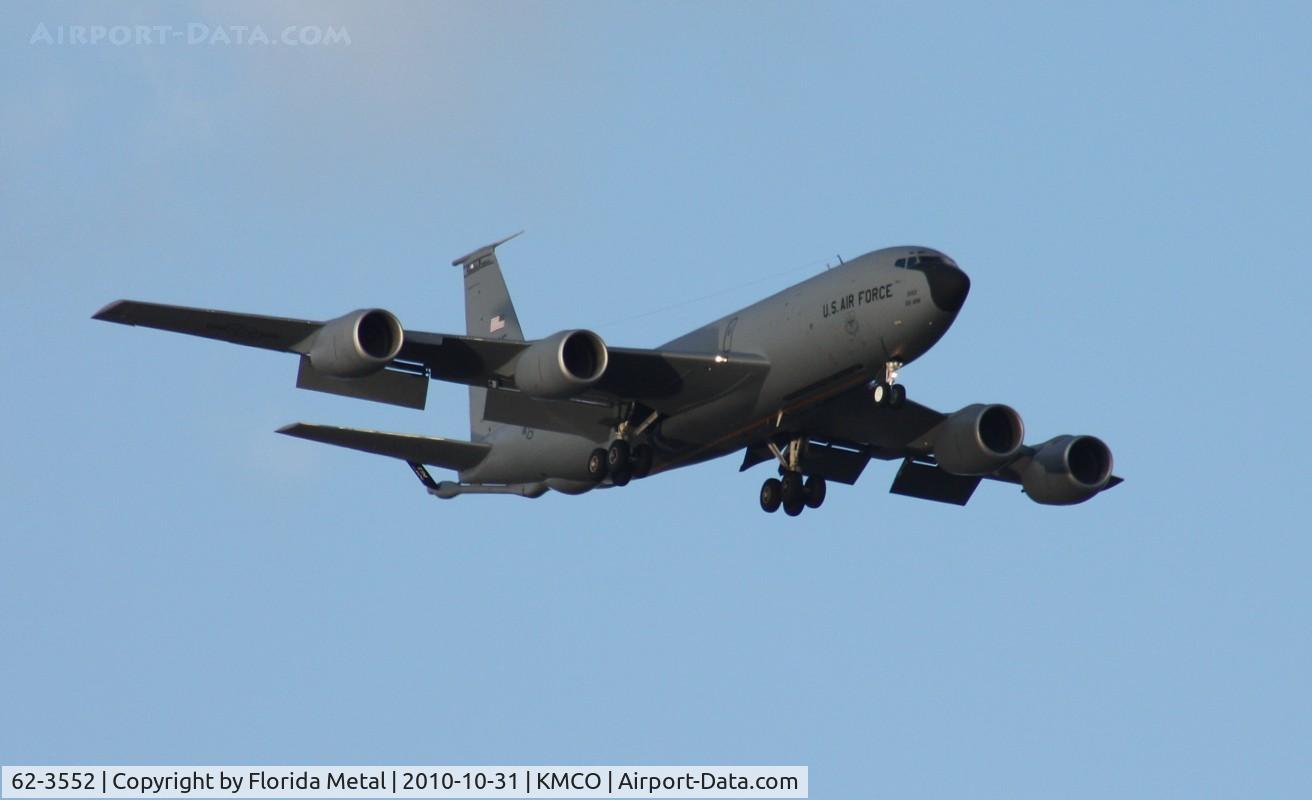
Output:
[[834, 463], [398, 388], [566, 416], [928, 482], [447, 453], [461, 359], [888, 432]]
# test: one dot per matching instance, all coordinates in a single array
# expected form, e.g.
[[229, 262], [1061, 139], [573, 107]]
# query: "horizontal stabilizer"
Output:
[[447, 453]]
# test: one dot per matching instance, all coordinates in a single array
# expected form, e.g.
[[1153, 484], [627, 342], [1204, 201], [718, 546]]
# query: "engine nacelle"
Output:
[[562, 365], [979, 439], [1067, 470], [358, 344]]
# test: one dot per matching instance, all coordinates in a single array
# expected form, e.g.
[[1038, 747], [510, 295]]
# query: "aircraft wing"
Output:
[[850, 430], [666, 381], [886, 433], [671, 382], [253, 330]]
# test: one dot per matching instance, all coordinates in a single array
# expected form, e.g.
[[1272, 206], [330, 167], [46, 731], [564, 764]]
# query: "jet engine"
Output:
[[358, 344], [979, 439], [1067, 470], [562, 365]]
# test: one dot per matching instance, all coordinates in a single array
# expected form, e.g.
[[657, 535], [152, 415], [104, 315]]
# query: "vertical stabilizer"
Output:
[[489, 314]]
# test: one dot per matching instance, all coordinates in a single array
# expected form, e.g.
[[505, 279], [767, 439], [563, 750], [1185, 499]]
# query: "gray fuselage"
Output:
[[827, 334]]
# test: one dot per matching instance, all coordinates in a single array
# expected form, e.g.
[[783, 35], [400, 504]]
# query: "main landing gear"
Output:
[[622, 462], [791, 491], [886, 391]]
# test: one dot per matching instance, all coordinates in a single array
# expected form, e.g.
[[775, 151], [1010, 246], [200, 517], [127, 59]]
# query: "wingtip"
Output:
[[290, 429], [109, 312]]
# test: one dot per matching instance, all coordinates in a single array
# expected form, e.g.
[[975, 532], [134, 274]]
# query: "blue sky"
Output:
[[1127, 185]]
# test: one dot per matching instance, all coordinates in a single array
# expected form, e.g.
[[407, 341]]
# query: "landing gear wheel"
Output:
[[794, 498], [617, 457], [620, 476], [814, 491], [772, 495], [880, 394], [792, 486], [897, 395], [597, 466], [642, 458]]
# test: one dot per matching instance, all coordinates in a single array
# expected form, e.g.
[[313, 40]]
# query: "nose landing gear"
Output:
[[886, 391]]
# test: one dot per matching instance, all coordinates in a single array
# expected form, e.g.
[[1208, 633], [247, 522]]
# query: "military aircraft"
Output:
[[806, 378]]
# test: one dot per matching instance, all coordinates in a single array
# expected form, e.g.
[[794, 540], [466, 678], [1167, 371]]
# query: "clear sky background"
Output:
[[1126, 183]]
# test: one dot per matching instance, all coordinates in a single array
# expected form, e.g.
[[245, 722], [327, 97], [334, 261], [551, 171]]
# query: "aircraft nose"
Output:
[[948, 286]]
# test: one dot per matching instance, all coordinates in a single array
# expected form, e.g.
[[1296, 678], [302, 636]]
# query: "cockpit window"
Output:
[[922, 261]]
